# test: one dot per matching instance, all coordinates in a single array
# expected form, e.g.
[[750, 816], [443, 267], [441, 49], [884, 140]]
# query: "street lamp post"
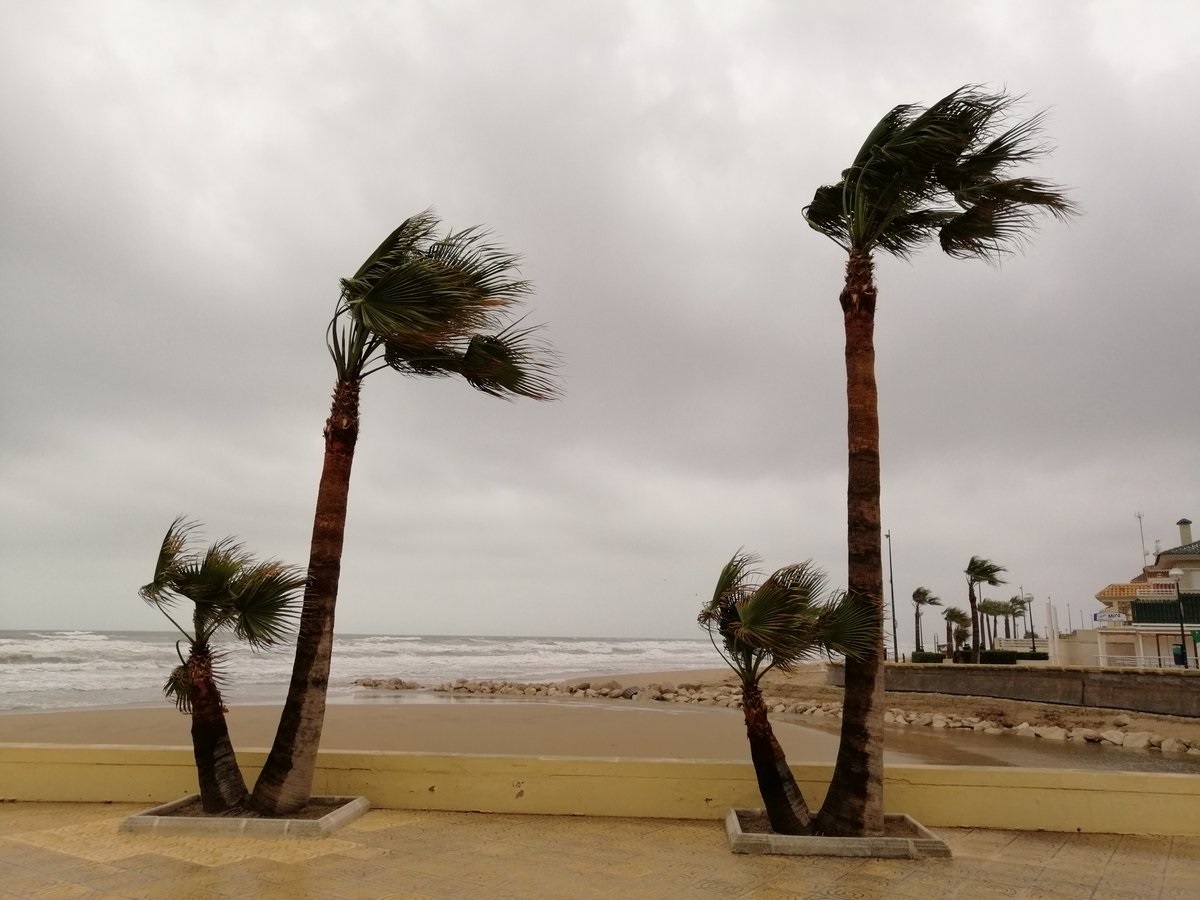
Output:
[[1176, 575], [892, 584], [1027, 602]]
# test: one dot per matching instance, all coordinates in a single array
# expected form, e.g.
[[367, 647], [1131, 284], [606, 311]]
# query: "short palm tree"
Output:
[[980, 571], [923, 597], [777, 624], [944, 172], [229, 591], [956, 621], [421, 305]]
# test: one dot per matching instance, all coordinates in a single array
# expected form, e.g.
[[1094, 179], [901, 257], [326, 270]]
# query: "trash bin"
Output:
[[1179, 654]]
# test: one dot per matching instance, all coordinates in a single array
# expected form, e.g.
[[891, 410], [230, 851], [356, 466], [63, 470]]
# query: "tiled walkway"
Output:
[[74, 850]]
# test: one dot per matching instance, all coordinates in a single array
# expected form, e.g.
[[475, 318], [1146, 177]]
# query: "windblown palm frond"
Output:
[[941, 171], [782, 621], [984, 571], [436, 306]]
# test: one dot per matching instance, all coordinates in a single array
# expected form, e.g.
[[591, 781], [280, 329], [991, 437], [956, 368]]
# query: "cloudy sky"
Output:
[[184, 183]]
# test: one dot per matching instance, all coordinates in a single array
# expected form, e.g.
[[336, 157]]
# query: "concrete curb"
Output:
[[160, 821], [922, 845]]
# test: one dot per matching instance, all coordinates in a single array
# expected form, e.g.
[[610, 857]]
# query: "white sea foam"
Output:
[[47, 670]]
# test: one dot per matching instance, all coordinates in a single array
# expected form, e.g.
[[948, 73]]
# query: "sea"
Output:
[[56, 670]]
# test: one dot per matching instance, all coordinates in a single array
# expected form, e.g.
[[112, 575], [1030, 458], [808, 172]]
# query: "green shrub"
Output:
[[921, 657], [998, 657], [1033, 654]]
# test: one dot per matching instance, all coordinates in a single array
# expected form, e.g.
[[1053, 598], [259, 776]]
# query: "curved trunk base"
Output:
[[785, 805]]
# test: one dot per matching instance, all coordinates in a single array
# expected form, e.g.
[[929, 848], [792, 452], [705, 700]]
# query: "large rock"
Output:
[[1136, 740], [1051, 733], [1112, 736]]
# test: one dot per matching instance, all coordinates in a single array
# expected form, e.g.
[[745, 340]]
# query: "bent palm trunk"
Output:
[[222, 787], [285, 784], [785, 805], [854, 804]]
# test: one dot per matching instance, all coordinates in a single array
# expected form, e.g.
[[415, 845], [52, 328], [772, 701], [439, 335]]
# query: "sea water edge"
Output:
[[49, 670]]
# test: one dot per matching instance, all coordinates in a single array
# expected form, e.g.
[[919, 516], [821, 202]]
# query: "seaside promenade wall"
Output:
[[1168, 692], [948, 796]]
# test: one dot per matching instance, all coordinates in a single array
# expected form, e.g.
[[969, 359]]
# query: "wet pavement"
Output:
[[54, 850]]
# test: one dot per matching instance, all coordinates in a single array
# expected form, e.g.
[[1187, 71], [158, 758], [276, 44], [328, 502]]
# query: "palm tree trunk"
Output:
[[976, 636], [917, 629], [854, 804], [781, 796], [1008, 626], [222, 787], [285, 784], [949, 639]]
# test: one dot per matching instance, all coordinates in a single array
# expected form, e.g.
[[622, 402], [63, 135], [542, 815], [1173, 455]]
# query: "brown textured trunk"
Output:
[[222, 787], [854, 804], [976, 637], [285, 784], [781, 796], [949, 638], [920, 643]]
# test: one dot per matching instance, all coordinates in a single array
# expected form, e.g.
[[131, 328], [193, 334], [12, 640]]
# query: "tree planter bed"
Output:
[[321, 817], [905, 838]]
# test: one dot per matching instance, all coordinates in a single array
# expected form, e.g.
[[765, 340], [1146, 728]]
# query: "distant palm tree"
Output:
[[923, 597], [956, 621], [944, 172], [993, 610], [421, 305], [229, 591], [980, 571], [776, 624]]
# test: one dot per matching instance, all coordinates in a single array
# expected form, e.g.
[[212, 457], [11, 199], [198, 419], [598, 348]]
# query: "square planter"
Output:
[[174, 818], [904, 838]]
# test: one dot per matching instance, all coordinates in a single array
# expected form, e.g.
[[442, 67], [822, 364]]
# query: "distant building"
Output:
[[1140, 623]]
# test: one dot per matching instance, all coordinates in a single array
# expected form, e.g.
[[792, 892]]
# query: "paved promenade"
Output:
[[56, 850]]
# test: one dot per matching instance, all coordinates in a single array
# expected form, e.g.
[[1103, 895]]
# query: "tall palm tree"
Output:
[[956, 621], [922, 597], [943, 172], [980, 571], [421, 304], [776, 624], [229, 592]]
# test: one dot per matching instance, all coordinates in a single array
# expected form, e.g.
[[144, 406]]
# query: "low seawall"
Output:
[[1168, 692], [949, 796]]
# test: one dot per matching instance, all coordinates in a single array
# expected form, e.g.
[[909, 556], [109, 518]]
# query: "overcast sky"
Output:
[[184, 183]]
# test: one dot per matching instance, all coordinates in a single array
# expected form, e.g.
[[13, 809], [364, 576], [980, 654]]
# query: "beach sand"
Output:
[[433, 722]]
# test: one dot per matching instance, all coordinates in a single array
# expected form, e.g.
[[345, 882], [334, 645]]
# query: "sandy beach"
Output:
[[434, 722]]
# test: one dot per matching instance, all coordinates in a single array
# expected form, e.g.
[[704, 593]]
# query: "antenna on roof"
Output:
[[1145, 555]]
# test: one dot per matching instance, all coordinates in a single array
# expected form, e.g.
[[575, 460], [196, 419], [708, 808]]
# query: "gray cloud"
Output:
[[183, 185]]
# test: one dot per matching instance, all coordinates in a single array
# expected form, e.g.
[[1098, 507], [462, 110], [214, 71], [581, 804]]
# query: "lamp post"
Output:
[[1176, 575], [892, 584], [1027, 602]]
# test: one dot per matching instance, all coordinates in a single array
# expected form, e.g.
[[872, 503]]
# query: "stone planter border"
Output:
[[159, 820], [923, 845]]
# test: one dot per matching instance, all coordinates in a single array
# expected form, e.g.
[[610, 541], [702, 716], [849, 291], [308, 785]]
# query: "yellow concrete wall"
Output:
[[951, 796]]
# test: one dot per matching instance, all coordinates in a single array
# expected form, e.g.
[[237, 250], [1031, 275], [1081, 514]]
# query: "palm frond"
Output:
[[266, 603], [941, 171], [782, 621], [174, 543], [178, 689], [511, 363]]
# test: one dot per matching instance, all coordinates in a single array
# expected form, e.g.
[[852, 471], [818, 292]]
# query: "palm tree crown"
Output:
[[781, 621], [945, 171], [428, 305], [229, 591]]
